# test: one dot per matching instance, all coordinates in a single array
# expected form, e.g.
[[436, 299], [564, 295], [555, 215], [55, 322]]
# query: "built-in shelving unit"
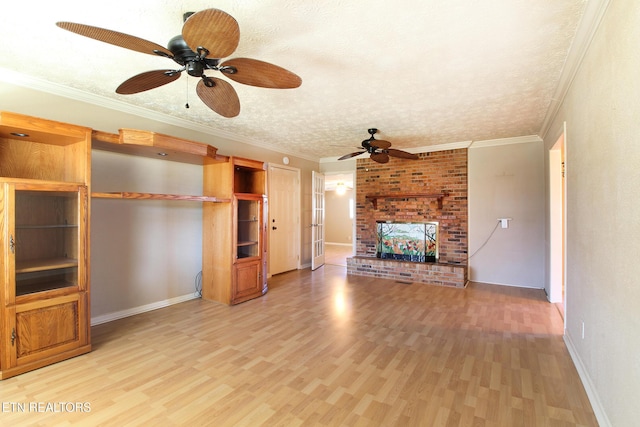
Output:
[[45, 170], [44, 253], [234, 248]]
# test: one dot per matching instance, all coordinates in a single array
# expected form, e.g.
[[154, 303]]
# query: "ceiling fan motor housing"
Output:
[[195, 64], [182, 53]]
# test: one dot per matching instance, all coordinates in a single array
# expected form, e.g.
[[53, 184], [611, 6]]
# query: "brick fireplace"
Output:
[[432, 188]]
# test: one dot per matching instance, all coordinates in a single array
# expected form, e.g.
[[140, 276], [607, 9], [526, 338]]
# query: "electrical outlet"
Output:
[[505, 222]]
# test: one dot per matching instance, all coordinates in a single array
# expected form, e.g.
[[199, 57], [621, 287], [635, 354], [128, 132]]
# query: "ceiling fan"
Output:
[[379, 150], [207, 36]]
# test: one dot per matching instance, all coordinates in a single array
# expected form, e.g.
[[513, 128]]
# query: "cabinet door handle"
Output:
[[13, 336], [12, 244], [274, 228]]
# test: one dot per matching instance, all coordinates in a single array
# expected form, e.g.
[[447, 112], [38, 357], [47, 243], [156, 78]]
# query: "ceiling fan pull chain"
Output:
[[187, 104]]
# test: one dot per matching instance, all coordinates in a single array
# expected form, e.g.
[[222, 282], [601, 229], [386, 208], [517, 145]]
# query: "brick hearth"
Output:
[[414, 272]]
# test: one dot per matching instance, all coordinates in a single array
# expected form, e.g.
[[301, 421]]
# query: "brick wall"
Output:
[[433, 173]]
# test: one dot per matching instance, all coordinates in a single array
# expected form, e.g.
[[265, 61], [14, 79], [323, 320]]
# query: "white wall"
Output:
[[143, 252], [506, 181], [602, 113], [338, 224]]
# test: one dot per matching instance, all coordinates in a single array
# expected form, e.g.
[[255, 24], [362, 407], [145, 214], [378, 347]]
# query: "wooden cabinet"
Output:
[[234, 246], [44, 235]]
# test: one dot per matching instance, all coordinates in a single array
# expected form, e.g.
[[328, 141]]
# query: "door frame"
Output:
[[296, 196], [557, 220]]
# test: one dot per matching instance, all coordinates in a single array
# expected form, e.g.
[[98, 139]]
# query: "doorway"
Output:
[[557, 172], [340, 217]]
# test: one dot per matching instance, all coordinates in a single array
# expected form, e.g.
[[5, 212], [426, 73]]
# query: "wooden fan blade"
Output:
[[380, 157], [221, 98], [145, 81], [401, 154], [261, 74], [350, 155], [115, 38], [214, 30], [380, 143]]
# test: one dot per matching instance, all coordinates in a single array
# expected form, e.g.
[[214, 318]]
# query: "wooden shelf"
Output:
[[156, 196], [156, 146], [373, 198], [39, 227], [24, 290], [45, 264]]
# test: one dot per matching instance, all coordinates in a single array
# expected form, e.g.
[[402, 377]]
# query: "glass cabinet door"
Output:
[[47, 240], [248, 237]]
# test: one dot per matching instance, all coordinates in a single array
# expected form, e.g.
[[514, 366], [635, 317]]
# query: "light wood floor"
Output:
[[337, 254], [321, 349]]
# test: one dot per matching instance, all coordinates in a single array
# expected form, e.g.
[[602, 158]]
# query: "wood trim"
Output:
[[155, 145], [157, 196], [373, 198]]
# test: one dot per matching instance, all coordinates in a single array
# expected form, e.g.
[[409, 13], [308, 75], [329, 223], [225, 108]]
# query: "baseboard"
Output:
[[594, 399], [511, 285], [141, 309]]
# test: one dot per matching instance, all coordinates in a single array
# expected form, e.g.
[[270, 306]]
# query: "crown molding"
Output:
[[415, 150], [589, 24], [31, 82], [440, 147], [505, 141], [455, 146]]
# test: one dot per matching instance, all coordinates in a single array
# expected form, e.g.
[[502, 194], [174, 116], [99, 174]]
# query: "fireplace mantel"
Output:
[[374, 197]]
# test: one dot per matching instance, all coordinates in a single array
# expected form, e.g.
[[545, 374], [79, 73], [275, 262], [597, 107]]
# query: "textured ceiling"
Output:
[[423, 72]]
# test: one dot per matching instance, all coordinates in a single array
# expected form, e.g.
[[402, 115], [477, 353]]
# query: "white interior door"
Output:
[[317, 221], [284, 219]]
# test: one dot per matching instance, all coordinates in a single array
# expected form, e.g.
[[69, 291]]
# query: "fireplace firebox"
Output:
[[407, 241]]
